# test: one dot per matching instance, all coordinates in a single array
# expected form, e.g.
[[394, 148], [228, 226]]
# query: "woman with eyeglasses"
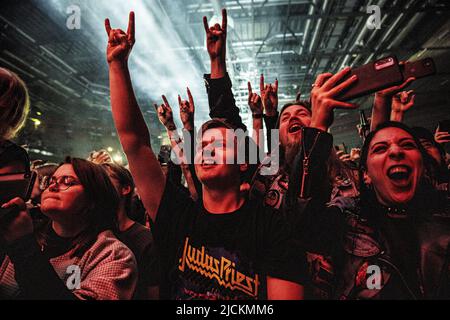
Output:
[[74, 256]]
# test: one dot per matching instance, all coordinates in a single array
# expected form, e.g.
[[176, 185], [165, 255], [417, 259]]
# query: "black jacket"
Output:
[[221, 101], [411, 247]]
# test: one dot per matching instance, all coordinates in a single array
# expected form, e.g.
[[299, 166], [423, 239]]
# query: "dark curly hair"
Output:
[[425, 187]]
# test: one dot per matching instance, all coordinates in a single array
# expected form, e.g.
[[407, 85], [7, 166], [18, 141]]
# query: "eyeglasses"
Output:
[[62, 183]]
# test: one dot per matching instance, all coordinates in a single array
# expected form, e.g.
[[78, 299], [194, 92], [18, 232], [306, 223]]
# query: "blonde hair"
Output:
[[14, 104]]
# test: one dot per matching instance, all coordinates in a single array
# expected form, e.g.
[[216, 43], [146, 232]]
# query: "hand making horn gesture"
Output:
[[119, 42], [216, 37], [254, 102], [165, 114], [187, 110], [269, 95]]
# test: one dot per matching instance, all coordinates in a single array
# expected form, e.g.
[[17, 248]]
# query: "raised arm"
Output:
[[129, 121], [165, 115], [269, 95], [187, 114], [218, 84], [216, 43], [256, 107], [402, 102], [381, 110]]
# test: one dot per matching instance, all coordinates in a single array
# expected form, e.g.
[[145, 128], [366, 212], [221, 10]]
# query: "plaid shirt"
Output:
[[108, 271]]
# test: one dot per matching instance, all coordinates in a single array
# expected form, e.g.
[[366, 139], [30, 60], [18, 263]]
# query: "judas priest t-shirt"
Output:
[[221, 256]]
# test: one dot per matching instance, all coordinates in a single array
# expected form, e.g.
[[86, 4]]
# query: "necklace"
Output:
[[306, 161], [396, 213]]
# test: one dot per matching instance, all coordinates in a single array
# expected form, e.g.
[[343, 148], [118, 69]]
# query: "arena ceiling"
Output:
[[292, 40]]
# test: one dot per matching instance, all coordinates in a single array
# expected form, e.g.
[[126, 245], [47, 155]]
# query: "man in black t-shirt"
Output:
[[223, 246]]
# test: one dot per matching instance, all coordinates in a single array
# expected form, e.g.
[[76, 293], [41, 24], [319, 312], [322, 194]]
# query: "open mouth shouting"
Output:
[[294, 127], [400, 175], [208, 163]]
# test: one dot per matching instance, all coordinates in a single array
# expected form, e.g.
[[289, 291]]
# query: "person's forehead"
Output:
[[65, 170], [391, 134], [219, 133], [295, 109]]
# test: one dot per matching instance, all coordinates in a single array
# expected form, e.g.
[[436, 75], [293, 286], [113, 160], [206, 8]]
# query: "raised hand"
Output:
[[100, 157], [20, 226], [344, 157], [187, 110], [382, 104], [269, 94], [442, 137], [355, 154], [362, 131], [119, 42], [403, 101], [392, 91], [216, 37], [254, 102], [165, 114], [325, 89]]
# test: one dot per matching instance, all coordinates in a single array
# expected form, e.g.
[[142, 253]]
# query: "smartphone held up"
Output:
[[384, 73]]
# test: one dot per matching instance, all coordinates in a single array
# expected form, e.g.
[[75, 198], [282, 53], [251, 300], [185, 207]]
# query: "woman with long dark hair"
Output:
[[75, 255], [393, 241]]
